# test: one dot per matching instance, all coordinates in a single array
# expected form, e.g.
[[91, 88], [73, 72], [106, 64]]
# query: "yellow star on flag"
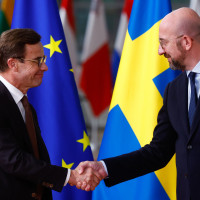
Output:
[[53, 46], [69, 166], [85, 141]]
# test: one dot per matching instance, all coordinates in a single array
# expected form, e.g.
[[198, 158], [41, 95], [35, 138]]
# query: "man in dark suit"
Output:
[[25, 169], [178, 128]]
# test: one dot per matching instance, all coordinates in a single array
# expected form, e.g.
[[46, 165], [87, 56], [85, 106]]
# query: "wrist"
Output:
[[72, 178]]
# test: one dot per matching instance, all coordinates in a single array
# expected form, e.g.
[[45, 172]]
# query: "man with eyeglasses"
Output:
[[25, 169], [178, 128]]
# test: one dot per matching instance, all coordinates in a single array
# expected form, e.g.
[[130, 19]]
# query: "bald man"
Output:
[[178, 128]]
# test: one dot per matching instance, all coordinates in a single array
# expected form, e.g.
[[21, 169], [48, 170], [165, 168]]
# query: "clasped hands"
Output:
[[87, 175]]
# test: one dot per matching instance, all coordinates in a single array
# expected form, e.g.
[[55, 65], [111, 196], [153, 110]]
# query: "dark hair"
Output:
[[12, 44]]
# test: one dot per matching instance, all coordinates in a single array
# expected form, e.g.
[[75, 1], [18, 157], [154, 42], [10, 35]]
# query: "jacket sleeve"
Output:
[[16, 156], [149, 158]]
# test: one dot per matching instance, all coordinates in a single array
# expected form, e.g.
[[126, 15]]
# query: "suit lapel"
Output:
[[13, 112], [17, 123], [196, 120], [183, 103]]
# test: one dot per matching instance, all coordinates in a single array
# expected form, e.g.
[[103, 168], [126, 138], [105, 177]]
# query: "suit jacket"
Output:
[[171, 135], [20, 171]]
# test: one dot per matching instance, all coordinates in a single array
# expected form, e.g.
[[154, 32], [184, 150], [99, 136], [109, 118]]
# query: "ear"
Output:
[[12, 63], [187, 42]]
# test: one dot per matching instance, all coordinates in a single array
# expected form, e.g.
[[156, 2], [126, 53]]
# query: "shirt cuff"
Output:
[[68, 176], [104, 166]]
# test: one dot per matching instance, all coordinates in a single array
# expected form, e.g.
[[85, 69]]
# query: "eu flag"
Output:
[[137, 98], [56, 100]]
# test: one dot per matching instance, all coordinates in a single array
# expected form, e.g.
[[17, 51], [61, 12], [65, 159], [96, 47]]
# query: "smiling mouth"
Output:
[[167, 55], [41, 75], [168, 58]]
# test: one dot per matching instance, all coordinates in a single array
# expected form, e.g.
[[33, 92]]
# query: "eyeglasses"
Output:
[[164, 42], [39, 61]]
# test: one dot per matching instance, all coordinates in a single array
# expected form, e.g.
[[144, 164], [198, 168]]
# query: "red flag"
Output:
[[95, 81]]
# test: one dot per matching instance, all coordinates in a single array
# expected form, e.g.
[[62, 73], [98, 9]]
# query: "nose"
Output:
[[44, 67], [161, 51]]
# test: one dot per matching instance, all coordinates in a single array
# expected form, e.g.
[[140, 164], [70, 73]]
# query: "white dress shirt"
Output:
[[196, 69], [16, 94]]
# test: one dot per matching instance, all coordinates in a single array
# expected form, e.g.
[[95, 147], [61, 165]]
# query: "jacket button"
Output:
[[189, 147], [185, 176], [35, 196], [45, 184]]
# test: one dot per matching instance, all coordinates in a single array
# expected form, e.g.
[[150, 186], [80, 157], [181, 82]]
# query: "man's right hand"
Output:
[[87, 180], [98, 171]]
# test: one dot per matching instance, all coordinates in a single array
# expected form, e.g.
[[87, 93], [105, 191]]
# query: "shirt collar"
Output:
[[16, 93], [196, 69]]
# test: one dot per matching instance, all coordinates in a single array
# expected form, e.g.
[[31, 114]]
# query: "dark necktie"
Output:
[[30, 126], [193, 98], [32, 135]]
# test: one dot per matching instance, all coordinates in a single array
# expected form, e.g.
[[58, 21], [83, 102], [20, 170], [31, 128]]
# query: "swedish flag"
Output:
[[137, 98], [56, 100]]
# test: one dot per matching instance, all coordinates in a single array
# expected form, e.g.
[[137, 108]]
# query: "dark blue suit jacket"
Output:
[[20, 171], [171, 135]]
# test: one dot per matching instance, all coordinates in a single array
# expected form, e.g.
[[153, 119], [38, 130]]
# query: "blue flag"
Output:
[[137, 99], [56, 100]]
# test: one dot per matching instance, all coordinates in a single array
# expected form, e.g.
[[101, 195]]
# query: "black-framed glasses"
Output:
[[39, 61]]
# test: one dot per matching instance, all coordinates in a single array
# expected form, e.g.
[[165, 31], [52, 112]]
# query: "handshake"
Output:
[[87, 175]]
